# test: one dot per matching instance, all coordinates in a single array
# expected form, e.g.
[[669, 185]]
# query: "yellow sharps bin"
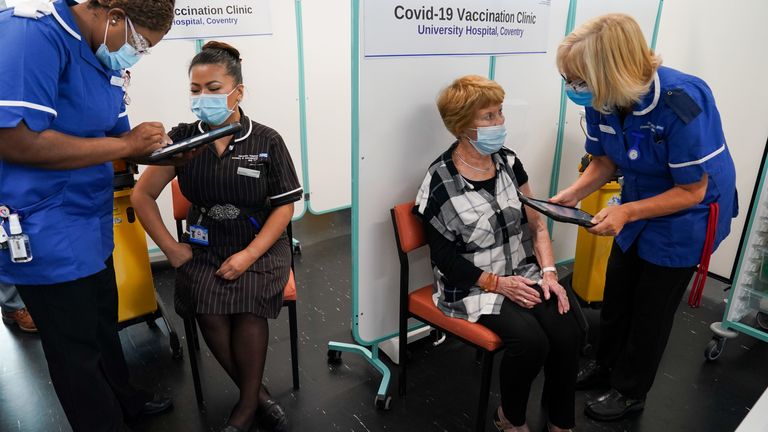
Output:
[[135, 288], [592, 251], [137, 299]]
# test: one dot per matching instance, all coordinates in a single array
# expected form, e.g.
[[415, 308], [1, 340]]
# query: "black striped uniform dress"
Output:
[[255, 174]]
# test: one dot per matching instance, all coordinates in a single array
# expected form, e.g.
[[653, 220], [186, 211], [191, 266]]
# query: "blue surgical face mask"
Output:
[[579, 93], [212, 108], [123, 58], [490, 139]]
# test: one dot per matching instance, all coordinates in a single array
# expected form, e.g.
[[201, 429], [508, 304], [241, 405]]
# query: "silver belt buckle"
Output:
[[222, 212]]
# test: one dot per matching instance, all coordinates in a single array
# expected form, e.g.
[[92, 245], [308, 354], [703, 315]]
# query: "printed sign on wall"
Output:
[[396, 28], [207, 19]]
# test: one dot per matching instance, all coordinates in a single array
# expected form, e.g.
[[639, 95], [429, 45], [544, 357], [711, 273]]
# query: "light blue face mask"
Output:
[[212, 109], [123, 58], [579, 94], [490, 139]]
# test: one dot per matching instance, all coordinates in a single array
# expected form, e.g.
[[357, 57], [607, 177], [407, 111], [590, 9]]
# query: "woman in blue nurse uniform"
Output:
[[661, 128], [62, 122]]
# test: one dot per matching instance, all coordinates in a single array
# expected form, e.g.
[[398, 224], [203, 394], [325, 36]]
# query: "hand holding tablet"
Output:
[[193, 142], [559, 212]]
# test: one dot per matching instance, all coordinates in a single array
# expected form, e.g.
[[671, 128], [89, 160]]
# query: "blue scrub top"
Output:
[[50, 79], [673, 136]]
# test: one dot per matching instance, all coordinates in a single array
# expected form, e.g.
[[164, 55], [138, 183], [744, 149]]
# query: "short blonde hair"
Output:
[[459, 102], [611, 55]]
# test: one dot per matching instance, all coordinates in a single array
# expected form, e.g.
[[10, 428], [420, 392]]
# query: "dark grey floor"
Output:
[[689, 394]]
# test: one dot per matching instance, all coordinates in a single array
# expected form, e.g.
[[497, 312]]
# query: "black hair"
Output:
[[222, 54]]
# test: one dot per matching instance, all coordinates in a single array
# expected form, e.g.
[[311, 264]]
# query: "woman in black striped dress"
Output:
[[232, 270]]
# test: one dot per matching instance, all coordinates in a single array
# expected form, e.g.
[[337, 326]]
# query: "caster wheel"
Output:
[[334, 357], [762, 320], [714, 348], [382, 402]]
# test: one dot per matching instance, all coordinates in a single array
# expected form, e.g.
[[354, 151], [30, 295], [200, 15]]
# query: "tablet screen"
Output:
[[559, 212], [194, 142]]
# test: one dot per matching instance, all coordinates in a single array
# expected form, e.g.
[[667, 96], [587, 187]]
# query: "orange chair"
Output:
[[180, 210], [409, 234]]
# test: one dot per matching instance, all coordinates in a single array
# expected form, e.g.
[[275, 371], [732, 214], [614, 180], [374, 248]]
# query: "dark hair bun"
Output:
[[221, 46]]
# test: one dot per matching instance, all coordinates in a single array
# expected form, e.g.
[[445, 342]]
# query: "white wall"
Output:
[[724, 44]]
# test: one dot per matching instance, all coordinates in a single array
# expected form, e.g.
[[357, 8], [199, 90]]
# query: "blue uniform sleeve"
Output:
[[694, 133], [123, 125], [30, 65], [592, 144]]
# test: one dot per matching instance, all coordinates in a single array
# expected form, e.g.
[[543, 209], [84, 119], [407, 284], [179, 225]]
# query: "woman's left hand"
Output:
[[235, 265], [550, 285], [609, 221]]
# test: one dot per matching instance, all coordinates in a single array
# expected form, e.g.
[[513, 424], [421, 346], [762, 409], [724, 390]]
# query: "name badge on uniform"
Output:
[[607, 129], [198, 234], [243, 171], [117, 81]]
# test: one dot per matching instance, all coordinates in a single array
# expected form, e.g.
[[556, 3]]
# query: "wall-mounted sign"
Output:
[[396, 28], [209, 19]]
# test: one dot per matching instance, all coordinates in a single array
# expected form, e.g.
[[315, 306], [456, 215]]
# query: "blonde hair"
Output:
[[459, 102], [611, 55]]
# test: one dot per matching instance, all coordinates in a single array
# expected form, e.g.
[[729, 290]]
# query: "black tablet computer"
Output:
[[194, 142], [559, 212]]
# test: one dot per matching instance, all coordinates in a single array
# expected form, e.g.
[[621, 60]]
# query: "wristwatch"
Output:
[[549, 269]]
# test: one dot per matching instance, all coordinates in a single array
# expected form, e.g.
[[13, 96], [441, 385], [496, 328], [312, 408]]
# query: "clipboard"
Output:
[[559, 212], [193, 142]]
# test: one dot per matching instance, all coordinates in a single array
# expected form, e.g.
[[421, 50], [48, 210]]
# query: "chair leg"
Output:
[[189, 326], [485, 389], [294, 343], [403, 356], [172, 334], [195, 333]]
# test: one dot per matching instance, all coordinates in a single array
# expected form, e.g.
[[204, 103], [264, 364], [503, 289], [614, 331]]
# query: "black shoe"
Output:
[[230, 428], [613, 406], [593, 376], [272, 416], [157, 405]]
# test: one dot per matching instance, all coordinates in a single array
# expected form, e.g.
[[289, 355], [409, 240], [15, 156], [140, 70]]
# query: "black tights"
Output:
[[239, 343]]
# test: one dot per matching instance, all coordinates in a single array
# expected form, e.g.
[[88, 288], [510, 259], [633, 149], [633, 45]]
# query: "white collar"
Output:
[[656, 94]]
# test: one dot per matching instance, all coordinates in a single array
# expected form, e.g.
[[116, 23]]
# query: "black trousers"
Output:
[[77, 322], [536, 338], [639, 307]]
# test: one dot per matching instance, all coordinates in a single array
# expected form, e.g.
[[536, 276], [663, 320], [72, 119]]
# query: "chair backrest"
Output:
[[409, 231], [181, 204]]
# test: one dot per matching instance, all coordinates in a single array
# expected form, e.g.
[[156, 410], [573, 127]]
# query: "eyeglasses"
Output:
[[576, 85], [137, 41]]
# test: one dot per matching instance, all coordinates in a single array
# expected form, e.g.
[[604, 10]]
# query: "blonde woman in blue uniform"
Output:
[[661, 128], [62, 122]]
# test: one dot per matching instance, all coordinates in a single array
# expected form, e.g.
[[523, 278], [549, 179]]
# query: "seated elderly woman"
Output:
[[492, 259]]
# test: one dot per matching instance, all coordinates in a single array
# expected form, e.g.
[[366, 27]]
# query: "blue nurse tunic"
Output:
[[51, 79], [673, 136]]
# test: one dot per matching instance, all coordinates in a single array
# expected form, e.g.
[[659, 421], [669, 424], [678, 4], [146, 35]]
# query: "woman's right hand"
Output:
[[179, 254], [145, 138], [518, 289], [565, 197]]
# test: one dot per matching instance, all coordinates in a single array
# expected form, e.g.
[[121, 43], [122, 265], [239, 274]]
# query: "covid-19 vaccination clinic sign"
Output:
[[201, 19], [395, 28]]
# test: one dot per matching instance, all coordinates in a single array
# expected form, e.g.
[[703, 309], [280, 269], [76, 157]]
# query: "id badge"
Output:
[[198, 234]]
